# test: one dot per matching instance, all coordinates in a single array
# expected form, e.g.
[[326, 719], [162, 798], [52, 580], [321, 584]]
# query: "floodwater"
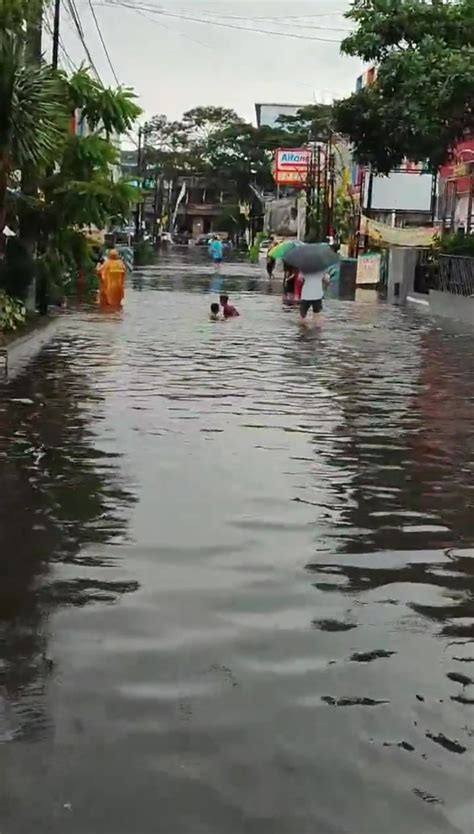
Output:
[[237, 570]]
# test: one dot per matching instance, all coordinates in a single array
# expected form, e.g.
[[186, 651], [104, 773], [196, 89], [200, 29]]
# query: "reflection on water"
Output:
[[58, 496], [237, 570]]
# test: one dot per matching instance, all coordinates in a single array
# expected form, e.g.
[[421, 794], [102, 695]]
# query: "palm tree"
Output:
[[32, 115], [105, 109]]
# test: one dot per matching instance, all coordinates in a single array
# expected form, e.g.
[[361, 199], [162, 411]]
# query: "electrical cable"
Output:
[[72, 8], [170, 29], [276, 18], [264, 20], [135, 7], [70, 62], [104, 45], [333, 13], [200, 43]]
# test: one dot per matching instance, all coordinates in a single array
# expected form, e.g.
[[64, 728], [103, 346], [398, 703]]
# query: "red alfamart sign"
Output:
[[291, 166]]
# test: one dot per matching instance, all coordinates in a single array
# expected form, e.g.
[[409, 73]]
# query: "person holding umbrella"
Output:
[[312, 260]]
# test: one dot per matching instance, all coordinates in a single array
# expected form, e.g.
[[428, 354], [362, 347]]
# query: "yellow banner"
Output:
[[417, 236]]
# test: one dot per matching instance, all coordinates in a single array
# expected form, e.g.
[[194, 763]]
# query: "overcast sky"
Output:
[[175, 63]]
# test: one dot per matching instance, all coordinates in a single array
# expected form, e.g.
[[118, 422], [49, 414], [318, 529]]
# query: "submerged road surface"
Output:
[[237, 570]]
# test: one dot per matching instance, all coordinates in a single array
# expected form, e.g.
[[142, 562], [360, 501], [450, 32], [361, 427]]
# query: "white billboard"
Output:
[[400, 191], [269, 114]]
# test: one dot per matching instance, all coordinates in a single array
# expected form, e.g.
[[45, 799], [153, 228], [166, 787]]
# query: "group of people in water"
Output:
[[306, 290], [224, 310], [303, 290]]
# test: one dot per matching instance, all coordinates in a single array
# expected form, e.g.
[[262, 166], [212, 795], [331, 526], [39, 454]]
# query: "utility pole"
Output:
[[325, 195], [139, 176], [318, 196], [469, 203], [157, 206], [332, 195], [310, 190], [368, 208], [57, 20]]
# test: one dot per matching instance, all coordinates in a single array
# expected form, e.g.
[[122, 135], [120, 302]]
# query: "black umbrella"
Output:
[[312, 257]]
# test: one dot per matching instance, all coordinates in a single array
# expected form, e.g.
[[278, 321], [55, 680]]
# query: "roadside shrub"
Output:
[[17, 269], [143, 253], [457, 244], [12, 312]]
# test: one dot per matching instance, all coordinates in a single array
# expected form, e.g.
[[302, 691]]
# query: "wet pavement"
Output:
[[237, 570]]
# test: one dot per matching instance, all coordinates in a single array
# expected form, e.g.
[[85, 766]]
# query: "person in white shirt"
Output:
[[312, 293]]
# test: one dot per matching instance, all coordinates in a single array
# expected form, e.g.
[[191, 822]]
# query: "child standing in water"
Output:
[[216, 251]]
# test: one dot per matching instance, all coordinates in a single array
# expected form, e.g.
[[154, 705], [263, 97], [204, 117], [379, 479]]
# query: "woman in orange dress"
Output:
[[111, 281]]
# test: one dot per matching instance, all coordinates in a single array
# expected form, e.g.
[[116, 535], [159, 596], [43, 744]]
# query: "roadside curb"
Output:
[[17, 354]]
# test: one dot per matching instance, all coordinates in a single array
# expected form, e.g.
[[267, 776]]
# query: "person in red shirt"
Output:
[[228, 309]]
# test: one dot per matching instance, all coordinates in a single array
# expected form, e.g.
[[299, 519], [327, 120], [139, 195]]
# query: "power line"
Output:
[[333, 13], [285, 17], [305, 26], [200, 43], [72, 8], [249, 30], [170, 29], [271, 19], [107, 54], [72, 65]]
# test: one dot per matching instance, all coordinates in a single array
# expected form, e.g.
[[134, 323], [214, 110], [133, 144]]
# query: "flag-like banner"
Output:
[[421, 237]]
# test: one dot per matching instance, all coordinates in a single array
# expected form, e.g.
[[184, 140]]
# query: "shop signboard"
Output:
[[291, 166], [368, 269]]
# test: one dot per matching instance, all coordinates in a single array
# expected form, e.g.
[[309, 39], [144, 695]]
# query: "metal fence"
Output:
[[456, 275]]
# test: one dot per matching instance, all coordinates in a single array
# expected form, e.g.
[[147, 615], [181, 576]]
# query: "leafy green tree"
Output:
[[168, 150], [14, 14], [60, 182], [243, 154], [312, 123], [201, 123], [181, 147], [113, 111], [421, 103], [32, 113], [83, 190]]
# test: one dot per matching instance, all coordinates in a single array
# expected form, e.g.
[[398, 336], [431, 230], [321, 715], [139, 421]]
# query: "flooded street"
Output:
[[237, 570]]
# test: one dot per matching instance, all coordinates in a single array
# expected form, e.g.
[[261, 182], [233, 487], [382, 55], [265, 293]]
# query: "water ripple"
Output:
[[237, 569]]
